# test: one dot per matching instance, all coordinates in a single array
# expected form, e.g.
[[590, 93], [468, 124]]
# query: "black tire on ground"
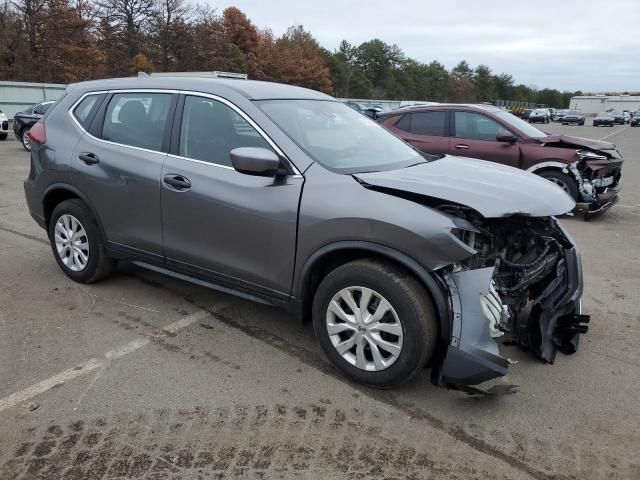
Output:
[[23, 136], [3, 136], [99, 265], [563, 180], [412, 304]]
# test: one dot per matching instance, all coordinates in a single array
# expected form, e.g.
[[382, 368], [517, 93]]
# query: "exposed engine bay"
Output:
[[529, 258]]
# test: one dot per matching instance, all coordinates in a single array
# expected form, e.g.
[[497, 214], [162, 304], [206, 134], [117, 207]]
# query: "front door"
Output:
[[234, 228], [474, 135]]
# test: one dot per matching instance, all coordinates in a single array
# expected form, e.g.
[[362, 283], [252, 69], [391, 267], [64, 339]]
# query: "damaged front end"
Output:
[[598, 175], [522, 285], [597, 170]]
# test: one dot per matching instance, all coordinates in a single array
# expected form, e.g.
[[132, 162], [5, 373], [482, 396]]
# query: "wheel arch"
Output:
[[331, 256], [60, 192]]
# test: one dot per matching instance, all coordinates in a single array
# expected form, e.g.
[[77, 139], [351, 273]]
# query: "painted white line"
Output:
[[49, 383], [92, 364], [614, 133]]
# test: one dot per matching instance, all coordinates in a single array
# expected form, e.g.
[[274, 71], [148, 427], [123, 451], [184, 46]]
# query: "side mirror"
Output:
[[505, 136], [255, 161]]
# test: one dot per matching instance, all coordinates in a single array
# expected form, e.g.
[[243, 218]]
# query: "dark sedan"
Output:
[[618, 117], [573, 117], [603, 119], [635, 119], [23, 121]]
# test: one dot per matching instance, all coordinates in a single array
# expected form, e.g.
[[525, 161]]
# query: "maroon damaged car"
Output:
[[588, 170]]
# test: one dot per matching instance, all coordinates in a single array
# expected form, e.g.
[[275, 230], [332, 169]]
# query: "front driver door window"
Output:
[[233, 228], [475, 136]]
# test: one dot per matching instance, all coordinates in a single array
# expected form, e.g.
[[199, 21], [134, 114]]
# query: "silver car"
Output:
[[289, 197]]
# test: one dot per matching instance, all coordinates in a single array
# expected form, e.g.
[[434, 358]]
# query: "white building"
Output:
[[594, 104]]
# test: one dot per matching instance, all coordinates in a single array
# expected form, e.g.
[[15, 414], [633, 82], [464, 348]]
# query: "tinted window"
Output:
[[404, 123], [41, 108], [83, 111], [137, 119], [428, 123], [210, 130], [475, 126]]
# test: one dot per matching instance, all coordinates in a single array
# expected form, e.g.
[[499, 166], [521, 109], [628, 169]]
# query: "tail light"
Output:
[[38, 133]]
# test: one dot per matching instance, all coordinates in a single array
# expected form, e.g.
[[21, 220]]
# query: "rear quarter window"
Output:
[[87, 108]]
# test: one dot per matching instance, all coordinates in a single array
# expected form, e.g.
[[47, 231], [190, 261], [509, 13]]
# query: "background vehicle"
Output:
[[540, 115], [635, 119], [4, 126], [618, 117], [573, 117], [559, 115], [588, 170], [394, 262], [627, 117], [603, 119], [23, 121], [372, 111], [525, 113], [354, 105]]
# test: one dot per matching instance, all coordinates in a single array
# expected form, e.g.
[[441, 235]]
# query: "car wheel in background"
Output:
[[3, 136], [77, 243], [375, 322], [564, 181], [25, 140]]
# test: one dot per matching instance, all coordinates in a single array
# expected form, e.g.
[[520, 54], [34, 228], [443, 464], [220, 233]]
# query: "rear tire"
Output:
[[564, 181], [77, 243], [381, 353], [24, 139], [3, 136]]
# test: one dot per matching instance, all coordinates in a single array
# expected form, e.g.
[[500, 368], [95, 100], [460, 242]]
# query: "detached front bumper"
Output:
[[555, 323]]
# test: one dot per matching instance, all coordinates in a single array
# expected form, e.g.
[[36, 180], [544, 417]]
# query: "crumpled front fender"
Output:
[[472, 356]]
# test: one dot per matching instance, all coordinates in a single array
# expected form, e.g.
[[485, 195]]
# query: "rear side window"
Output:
[[475, 126], [428, 123], [211, 129], [85, 110], [424, 123], [41, 108], [137, 119]]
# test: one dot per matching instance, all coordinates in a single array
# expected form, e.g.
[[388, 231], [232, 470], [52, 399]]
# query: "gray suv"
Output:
[[287, 196]]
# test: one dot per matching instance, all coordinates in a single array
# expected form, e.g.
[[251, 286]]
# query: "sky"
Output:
[[587, 45]]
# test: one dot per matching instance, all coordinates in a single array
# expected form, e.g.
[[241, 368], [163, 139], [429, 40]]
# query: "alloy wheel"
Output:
[[364, 328], [561, 184], [72, 243], [26, 141]]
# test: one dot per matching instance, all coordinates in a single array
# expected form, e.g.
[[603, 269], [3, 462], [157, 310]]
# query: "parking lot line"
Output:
[[92, 364], [614, 133]]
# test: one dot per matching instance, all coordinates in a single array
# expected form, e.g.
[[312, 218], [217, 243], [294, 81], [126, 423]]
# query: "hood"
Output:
[[566, 140], [492, 189]]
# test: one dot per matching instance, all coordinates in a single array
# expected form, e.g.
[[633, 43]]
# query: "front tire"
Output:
[[3, 136], [77, 243], [375, 322], [564, 181], [24, 139]]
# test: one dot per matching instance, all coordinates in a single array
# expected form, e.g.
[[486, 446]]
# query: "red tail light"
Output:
[[38, 133]]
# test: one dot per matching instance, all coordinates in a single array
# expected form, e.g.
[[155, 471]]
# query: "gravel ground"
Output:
[[144, 376]]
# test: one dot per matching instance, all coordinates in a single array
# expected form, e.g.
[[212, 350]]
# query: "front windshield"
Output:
[[573, 112], [519, 124], [603, 115], [338, 137]]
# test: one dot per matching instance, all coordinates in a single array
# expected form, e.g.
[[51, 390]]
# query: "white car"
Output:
[[4, 126]]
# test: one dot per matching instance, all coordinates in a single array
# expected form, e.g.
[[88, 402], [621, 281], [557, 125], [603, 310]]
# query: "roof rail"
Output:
[[213, 74]]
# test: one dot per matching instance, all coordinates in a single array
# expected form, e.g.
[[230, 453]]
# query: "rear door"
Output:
[[474, 135], [235, 229], [426, 131], [117, 166]]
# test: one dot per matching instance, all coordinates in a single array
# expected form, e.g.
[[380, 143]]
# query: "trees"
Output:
[[71, 40]]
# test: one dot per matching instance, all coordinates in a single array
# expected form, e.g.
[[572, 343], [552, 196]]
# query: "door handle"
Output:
[[177, 182], [89, 158], [462, 146]]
